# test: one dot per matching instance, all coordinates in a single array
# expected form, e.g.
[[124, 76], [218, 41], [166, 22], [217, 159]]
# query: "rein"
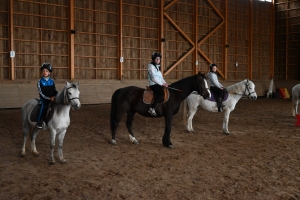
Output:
[[174, 89]]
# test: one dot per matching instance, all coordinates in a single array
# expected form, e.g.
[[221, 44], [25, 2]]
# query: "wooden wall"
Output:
[[287, 40], [86, 39], [96, 39], [4, 40]]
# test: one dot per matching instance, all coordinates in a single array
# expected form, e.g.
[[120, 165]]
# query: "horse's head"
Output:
[[202, 87], [250, 89], [72, 95]]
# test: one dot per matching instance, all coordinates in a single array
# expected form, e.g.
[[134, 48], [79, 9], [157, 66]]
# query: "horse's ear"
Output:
[[200, 74], [77, 84], [67, 83]]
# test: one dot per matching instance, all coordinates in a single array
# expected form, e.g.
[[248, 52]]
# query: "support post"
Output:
[[196, 61], [225, 48], [71, 41], [161, 30], [11, 41], [120, 68], [250, 42]]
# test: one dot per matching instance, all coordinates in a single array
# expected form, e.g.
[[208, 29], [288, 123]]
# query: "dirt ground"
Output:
[[259, 160]]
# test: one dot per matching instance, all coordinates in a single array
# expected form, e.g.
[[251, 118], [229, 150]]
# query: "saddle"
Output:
[[224, 97], [35, 113], [148, 95]]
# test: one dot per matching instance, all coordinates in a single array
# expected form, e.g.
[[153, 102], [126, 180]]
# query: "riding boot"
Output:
[[219, 104]]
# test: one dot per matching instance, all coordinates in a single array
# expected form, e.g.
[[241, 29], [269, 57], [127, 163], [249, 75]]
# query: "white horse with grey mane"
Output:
[[57, 121], [295, 99], [235, 92]]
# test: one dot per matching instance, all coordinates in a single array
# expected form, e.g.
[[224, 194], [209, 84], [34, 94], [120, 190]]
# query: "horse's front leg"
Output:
[[166, 138], [61, 136], [130, 116], [52, 146], [225, 122]]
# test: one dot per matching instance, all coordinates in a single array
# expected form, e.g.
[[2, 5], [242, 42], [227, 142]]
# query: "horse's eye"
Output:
[[69, 93]]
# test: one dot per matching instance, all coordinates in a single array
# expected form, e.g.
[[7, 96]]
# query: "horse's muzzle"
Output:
[[253, 97], [76, 106]]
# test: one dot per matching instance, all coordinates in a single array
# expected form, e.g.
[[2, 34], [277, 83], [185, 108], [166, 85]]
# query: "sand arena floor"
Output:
[[259, 160]]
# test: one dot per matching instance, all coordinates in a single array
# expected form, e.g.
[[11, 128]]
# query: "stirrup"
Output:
[[152, 111]]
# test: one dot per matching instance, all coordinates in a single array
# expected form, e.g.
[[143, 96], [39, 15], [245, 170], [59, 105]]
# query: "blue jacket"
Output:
[[46, 88]]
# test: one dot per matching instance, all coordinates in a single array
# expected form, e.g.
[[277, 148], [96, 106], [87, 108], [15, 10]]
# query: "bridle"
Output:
[[70, 99], [247, 88]]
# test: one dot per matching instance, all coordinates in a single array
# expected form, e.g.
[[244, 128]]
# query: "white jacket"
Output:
[[213, 78], [154, 75]]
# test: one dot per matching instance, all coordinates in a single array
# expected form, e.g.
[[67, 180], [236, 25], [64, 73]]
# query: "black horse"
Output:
[[130, 100]]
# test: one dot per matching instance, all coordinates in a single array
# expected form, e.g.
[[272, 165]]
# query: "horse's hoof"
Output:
[[22, 153], [52, 162], [135, 142], [226, 133], [36, 154], [113, 142], [63, 161], [171, 146]]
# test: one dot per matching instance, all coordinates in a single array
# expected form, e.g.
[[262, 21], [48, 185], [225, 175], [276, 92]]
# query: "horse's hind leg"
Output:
[[33, 137], [191, 113], [61, 137], [295, 106], [114, 125], [130, 116], [26, 132]]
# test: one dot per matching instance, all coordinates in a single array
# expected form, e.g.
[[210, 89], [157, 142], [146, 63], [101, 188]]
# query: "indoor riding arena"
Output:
[[105, 46]]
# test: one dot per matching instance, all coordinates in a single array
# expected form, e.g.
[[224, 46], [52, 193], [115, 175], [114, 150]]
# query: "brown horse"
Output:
[[130, 100]]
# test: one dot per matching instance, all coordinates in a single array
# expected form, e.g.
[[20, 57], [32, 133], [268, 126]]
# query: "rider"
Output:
[[215, 86], [156, 81], [47, 92]]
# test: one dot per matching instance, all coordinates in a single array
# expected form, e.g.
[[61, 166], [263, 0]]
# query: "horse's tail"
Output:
[[114, 108]]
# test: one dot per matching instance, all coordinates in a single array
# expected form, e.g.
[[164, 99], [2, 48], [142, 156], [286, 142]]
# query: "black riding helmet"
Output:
[[46, 66], [211, 66], [155, 55]]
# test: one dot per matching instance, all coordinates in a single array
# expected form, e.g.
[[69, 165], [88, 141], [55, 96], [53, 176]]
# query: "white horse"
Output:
[[295, 99], [235, 92], [57, 125]]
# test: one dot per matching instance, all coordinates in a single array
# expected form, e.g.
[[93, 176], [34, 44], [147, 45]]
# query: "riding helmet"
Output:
[[211, 66], [46, 66], [155, 55]]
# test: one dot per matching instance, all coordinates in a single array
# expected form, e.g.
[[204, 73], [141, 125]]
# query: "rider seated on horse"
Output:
[[156, 81], [47, 92], [215, 86]]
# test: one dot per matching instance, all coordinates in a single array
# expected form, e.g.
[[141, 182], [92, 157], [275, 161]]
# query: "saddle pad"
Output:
[[148, 96], [225, 96]]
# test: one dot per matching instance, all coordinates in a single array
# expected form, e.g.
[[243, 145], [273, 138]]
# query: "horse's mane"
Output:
[[179, 82], [233, 88]]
